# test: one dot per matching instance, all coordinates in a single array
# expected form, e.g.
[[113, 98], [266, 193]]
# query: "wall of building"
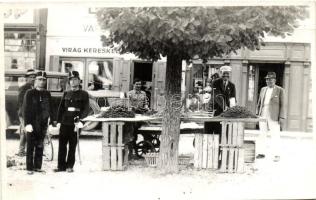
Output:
[[296, 57]]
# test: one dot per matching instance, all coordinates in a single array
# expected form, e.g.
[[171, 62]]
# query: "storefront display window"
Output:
[[20, 49], [251, 83], [100, 75]]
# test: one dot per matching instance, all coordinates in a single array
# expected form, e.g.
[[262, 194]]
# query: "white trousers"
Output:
[[273, 128]]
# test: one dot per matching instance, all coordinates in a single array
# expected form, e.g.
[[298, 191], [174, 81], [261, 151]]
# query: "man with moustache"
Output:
[[37, 109], [74, 105]]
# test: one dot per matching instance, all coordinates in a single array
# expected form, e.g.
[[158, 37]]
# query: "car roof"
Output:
[[22, 72]]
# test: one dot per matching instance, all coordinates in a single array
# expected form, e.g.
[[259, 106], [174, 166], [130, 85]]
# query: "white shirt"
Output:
[[268, 96]]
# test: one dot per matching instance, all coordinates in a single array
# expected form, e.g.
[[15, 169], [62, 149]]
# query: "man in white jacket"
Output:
[[270, 106]]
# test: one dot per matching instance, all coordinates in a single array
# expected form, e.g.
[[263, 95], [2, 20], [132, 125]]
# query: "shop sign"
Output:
[[89, 50]]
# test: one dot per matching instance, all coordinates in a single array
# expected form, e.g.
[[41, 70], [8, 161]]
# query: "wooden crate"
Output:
[[114, 155], [250, 151], [231, 147], [184, 159], [113, 158], [206, 151]]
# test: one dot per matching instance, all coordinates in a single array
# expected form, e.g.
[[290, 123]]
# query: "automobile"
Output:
[[57, 83]]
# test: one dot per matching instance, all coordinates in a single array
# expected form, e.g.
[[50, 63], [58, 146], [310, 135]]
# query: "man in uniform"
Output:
[[270, 106], [74, 104], [30, 77], [37, 109]]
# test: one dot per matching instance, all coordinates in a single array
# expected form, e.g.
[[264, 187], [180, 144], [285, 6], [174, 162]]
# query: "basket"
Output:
[[151, 159]]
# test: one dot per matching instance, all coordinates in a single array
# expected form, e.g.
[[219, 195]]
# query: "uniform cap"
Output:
[[225, 68], [73, 74], [30, 72], [41, 74]]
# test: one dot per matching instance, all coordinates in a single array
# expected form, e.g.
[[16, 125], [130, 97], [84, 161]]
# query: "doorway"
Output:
[[278, 68], [144, 72], [256, 80]]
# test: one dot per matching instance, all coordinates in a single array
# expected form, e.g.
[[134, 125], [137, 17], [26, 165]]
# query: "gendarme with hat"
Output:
[[271, 75], [73, 74], [30, 72], [41, 74]]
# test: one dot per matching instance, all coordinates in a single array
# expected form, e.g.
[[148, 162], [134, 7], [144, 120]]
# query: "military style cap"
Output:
[[225, 68], [73, 74], [41, 74], [271, 75], [30, 72]]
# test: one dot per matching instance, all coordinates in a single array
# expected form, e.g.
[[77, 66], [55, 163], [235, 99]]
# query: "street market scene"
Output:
[[159, 102]]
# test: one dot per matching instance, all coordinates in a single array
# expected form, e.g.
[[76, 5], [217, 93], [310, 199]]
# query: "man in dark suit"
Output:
[[37, 110], [74, 105], [224, 97], [224, 91], [270, 106], [30, 77]]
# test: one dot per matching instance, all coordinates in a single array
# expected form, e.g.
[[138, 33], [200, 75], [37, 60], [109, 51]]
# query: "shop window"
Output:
[[251, 83], [73, 65], [100, 75], [20, 49]]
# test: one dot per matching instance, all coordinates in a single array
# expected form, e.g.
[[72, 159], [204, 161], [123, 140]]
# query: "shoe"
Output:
[[30, 172], [276, 158], [260, 156], [39, 170], [59, 170], [70, 170]]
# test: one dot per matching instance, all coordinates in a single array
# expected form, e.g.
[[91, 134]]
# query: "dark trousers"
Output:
[[34, 143], [67, 136], [212, 127]]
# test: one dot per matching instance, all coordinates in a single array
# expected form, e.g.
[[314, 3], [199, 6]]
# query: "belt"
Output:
[[72, 109]]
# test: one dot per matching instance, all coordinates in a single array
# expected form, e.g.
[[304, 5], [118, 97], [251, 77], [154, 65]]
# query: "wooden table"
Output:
[[207, 146]]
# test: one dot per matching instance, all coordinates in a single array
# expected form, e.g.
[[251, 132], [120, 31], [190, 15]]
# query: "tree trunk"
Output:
[[168, 157]]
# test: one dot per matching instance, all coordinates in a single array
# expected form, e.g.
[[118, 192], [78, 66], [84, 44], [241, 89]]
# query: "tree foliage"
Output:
[[152, 32]]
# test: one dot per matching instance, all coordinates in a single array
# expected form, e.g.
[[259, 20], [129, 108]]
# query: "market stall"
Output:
[[114, 154], [223, 150]]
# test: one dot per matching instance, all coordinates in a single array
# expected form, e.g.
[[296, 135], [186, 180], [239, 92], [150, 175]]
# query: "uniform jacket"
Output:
[[22, 91], [219, 89], [37, 109], [76, 99], [276, 104]]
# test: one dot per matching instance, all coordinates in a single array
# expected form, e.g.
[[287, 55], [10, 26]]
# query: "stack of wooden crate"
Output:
[[206, 151], [231, 147], [113, 152]]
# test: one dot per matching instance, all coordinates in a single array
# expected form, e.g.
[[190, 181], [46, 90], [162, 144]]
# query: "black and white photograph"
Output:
[[157, 101]]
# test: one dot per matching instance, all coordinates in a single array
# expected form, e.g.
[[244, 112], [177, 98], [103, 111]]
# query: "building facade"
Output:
[[73, 43], [25, 38]]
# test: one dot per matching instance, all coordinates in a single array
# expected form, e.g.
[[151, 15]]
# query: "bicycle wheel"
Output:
[[144, 147], [48, 149]]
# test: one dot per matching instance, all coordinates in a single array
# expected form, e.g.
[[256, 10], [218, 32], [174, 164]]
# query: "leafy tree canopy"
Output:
[[187, 32]]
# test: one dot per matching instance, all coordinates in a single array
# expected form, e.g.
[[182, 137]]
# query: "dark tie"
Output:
[[225, 84]]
